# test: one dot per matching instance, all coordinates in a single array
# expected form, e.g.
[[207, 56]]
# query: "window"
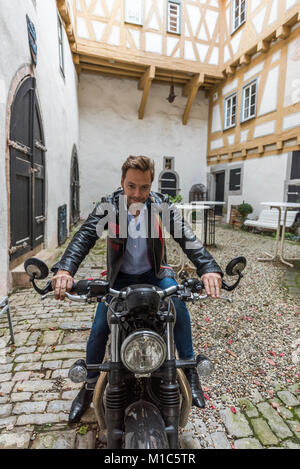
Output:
[[235, 179], [61, 46], [249, 101], [173, 16], [238, 14], [169, 162], [230, 111], [134, 11]]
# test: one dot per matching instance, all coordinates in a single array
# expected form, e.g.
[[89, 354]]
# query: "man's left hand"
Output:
[[212, 283]]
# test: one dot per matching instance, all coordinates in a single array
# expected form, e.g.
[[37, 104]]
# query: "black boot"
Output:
[[197, 393], [80, 404]]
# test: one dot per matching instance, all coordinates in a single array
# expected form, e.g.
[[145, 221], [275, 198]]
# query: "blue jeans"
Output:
[[100, 331]]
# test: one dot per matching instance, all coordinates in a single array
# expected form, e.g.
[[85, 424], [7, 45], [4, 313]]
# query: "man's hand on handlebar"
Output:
[[212, 282], [62, 282]]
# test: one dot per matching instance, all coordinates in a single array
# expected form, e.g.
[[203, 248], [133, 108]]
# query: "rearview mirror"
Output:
[[36, 268], [236, 266]]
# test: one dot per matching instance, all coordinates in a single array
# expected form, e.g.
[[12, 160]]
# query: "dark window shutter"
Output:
[[295, 171], [235, 179]]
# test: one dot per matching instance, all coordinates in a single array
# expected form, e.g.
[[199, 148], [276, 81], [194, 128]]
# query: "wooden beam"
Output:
[[279, 145], [282, 32], [110, 71], [263, 46], [196, 80], [260, 149], [192, 88], [111, 64], [70, 33], [145, 84], [76, 59], [230, 70], [245, 59], [120, 54], [149, 74]]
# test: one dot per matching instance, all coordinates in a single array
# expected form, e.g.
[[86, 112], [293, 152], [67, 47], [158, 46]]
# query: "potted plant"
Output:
[[244, 209]]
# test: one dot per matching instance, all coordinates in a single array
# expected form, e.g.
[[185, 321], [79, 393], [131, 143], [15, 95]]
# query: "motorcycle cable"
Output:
[[114, 315]]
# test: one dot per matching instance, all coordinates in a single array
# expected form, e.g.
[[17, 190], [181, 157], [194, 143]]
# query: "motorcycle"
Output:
[[142, 396]]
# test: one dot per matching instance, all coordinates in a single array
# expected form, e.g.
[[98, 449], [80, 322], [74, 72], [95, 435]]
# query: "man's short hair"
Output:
[[142, 163]]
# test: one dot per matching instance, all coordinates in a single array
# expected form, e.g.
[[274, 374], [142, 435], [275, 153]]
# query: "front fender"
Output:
[[144, 427]]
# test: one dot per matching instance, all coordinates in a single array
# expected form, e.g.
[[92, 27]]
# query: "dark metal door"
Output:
[[220, 187], [27, 172], [75, 210]]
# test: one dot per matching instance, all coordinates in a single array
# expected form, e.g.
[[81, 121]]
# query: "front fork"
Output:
[[169, 388], [116, 394]]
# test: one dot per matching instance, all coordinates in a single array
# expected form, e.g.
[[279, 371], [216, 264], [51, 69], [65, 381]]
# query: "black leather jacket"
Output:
[[100, 219]]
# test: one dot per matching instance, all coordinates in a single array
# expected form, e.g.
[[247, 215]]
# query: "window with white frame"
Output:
[[173, 16], [134, 11], [238, 14], [230, 105], [61, 46], [249, 101]]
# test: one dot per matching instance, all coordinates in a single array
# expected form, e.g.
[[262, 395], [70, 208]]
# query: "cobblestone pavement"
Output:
[[36, 394]]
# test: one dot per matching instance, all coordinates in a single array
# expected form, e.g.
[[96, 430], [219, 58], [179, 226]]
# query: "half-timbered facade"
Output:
[[254, 116], [242, 53]]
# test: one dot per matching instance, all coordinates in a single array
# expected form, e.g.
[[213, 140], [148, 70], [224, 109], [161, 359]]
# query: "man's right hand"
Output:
[[62, 282]]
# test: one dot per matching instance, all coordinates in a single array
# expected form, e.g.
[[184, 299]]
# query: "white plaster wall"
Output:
[[58, 104], [110, 131], [263, 181]]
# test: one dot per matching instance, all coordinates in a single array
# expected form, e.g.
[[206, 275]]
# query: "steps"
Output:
[[19, 277]]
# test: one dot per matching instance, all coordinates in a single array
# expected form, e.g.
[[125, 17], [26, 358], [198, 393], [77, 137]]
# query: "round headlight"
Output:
[[143, 352]]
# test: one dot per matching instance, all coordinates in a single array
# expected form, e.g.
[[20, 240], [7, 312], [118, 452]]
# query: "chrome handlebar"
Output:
[[122, 295]]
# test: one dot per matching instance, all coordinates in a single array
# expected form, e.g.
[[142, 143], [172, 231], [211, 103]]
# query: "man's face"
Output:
[[136, 185]]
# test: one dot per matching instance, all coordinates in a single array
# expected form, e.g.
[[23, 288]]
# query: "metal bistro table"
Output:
[[187, 211], [209, 220], [285, 206]]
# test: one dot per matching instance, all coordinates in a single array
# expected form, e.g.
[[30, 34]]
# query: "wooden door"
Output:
[[27, 172], [75, 209]]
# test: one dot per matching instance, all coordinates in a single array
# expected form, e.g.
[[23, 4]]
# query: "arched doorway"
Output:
[[75, 207], [27, 172]]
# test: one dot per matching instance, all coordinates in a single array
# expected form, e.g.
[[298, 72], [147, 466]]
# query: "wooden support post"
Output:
[[190, 90], [144, 84]]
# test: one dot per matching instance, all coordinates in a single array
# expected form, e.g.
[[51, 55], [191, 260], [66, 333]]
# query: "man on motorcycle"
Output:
[[135, 259]]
